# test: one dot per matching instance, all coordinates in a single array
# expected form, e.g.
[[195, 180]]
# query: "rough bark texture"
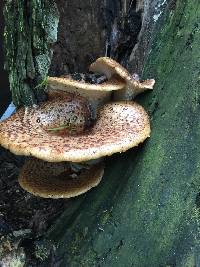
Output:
[[81, 36], [88, 30], [30, 30], [5, 95], [146, 210]]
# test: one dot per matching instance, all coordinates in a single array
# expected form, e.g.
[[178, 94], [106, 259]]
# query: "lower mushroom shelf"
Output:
[[57, 180]]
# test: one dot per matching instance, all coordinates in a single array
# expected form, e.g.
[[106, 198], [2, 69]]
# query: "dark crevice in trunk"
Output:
[[124, 32], [81, 36], [87, 32]]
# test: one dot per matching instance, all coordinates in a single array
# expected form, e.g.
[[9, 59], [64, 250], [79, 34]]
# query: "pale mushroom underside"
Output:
[[72, 85], [96, 94]]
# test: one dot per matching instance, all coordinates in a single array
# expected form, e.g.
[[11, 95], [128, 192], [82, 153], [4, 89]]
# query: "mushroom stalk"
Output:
[[133, 88]]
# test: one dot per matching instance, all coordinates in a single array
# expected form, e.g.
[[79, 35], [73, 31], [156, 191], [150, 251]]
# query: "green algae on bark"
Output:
[[30, 30], [145, 212]]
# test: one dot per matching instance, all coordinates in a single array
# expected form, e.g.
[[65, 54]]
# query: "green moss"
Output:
[[30, 30], [42, 250], [144, 212]]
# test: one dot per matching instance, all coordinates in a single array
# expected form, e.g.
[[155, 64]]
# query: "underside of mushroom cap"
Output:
[[119, 126], [97, 94], [56, 180], [111, 68], [70, 85]]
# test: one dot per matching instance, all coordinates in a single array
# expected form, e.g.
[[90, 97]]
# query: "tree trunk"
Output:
[[145, 212], [30, 30]]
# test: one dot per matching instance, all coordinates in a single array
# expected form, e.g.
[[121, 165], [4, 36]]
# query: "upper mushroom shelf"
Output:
[[119, 81]]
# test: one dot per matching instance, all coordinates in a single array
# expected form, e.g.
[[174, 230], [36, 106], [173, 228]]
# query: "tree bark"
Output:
[[30, 30], [145, 212]]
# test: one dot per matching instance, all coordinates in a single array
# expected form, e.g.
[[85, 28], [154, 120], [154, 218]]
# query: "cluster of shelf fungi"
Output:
[[67, 137]]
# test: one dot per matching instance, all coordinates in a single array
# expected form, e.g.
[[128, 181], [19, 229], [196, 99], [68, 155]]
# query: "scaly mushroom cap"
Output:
[[97, 94], [56, 180], [63, 113], [111, 68], [119, 126]]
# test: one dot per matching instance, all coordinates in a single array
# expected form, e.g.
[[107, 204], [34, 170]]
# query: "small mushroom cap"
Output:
[[64, 113], [55, 180], [97, 94], [111, 68], [119, 126]]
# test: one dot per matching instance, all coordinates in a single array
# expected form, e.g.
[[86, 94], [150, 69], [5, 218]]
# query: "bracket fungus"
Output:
[[118, 127], [112, 69], [58, 180], [62, 131]]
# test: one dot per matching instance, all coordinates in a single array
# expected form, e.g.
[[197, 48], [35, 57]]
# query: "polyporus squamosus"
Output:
[[112, 69], [58, 180], [61, 131]]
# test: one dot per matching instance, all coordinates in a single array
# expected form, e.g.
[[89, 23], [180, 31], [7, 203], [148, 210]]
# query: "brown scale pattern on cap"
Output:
[[119, 126], [67, 111], [56, 180]]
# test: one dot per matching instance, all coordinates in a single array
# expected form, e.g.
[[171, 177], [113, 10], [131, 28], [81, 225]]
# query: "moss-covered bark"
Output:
[[145, 212], [30, 30]]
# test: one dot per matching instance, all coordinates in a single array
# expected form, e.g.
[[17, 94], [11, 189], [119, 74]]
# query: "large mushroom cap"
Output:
[[119, 126], [111, 68], [55, 180]]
